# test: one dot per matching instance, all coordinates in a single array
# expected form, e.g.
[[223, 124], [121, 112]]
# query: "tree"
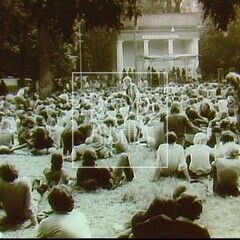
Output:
[[220, 49], [222, 12]]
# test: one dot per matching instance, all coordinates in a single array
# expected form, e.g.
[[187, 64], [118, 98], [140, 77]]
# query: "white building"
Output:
[[161, 41]]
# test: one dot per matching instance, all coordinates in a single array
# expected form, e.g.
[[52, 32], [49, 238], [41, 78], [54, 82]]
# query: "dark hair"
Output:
[[8, 172], [216, 129], [56, 161], [175, 108], [189, 206], [171, 137], [227, 136], [60, 199], [89, 158]]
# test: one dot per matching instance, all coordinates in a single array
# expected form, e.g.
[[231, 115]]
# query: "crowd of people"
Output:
[[194, 130]]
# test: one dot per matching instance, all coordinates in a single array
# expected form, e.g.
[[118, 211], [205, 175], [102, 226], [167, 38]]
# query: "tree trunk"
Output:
[[45, 73], [169, 6]]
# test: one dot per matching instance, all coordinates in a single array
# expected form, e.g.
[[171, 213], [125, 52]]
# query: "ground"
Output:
[[109, 212]]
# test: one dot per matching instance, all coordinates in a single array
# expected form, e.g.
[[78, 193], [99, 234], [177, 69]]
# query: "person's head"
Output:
[[225, 124], [60, 199], [217, 131], [89, 158], [189, 206], [132, 116], [204, 107], [110, 122], [170, 137], [56, 161], [232, 153], [86, 129], [5, 124], [175, 108], [200, 138], [8, 172], [227, 136]]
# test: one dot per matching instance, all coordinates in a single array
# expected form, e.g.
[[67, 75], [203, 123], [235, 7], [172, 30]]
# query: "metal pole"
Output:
[[135, 50], [80, 52]]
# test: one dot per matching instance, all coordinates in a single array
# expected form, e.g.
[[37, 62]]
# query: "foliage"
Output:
[[220, 50], [222, 12]]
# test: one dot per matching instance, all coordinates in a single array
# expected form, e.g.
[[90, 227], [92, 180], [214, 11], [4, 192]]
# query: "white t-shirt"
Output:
[[200, 162], [170, 159], [64, 225]]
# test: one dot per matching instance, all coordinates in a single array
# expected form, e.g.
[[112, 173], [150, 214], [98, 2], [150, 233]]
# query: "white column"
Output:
[[170, 46], [146, 47], [195, 62], [145, 53], [119, 56], [195, 46]]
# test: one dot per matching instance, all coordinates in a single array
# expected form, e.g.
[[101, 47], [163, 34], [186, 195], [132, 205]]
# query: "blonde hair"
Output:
[[200, 138]]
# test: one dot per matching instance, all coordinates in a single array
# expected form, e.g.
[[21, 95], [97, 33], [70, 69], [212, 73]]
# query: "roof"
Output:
[[164, 20]]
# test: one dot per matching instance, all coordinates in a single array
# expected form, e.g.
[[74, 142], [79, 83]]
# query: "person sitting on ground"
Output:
[[16, 198], [199, 156], [21, 98], [56, 174], [171, 159], [100, 141], [119, 140], [25, 128], [215, 136], [226, 173], [40, 141], [206, 111], [65, 221], [132, 128], [227, 140], [6, 137], [91, 177], [169, 218]]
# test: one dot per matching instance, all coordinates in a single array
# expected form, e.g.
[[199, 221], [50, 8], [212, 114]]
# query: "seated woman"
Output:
[[169, 218], [91, 177], [16, 198]]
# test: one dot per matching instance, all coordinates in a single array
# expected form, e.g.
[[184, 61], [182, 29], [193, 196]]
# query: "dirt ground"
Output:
[[108, 212]]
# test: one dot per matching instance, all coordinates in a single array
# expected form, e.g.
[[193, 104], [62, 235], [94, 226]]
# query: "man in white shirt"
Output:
[[170, 159], [65, 222], [199, 154]]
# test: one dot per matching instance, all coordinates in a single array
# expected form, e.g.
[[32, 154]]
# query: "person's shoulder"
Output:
[[24, 181]]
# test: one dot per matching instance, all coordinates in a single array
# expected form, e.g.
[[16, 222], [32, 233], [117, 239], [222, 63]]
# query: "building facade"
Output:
[[162, 42]]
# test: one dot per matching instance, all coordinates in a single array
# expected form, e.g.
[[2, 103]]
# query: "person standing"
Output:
[[179, 123]]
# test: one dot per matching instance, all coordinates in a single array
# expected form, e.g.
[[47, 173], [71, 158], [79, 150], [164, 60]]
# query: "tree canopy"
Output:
[[222, 12]]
